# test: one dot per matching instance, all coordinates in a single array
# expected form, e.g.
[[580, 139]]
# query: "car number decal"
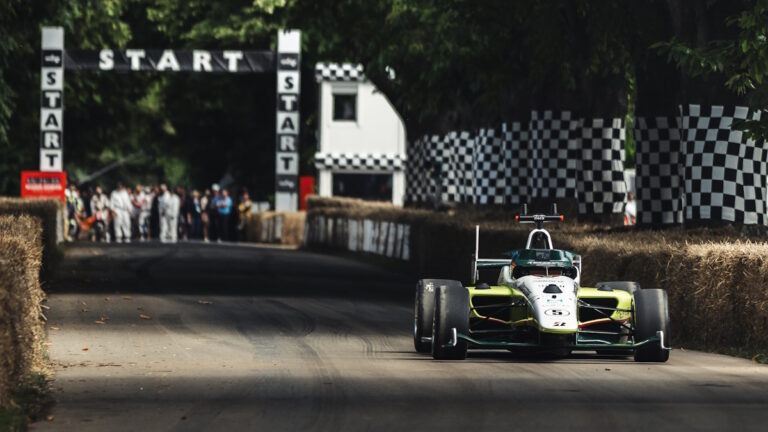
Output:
[[556, 312]]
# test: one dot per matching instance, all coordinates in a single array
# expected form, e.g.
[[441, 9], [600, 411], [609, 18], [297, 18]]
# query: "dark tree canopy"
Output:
[[444, 64]]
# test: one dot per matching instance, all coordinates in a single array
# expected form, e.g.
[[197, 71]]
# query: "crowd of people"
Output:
[[156, 212]]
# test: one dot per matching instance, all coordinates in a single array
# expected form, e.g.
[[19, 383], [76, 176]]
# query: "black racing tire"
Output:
[[451, 311], [628, 286], [423, 312], [651, 316]]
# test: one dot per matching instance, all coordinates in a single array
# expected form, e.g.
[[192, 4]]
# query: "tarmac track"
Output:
[[254, 338]]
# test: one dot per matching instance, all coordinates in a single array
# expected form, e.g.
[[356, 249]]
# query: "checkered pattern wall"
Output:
[[515, 162], [658, 180], [724, 173], [338, 72], [553, 154], [512, 164], [601, 186], [425, 155], [460, 175], [489, 169], [359, 162]]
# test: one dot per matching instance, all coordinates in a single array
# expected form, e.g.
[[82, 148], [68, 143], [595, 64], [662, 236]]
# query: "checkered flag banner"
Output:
[[427, 156], [725, 173], [554, 154], [338, 72], [601, 185], [416, 177], [515, 162], [459, 179], [489, 168], [658, 181], [359, 162]]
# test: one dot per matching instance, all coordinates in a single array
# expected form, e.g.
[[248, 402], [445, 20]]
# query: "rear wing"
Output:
[[484, 263]]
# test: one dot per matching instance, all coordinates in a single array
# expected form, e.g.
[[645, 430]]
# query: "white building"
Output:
[[362, 138]]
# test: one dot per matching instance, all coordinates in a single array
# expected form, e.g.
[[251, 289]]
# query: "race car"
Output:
[[537, 305]]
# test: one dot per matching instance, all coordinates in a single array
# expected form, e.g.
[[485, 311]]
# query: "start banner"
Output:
[[43, 184]]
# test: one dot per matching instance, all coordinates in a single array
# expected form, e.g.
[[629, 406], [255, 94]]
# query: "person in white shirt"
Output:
[[120, 203], [168, 206], [100, 212]]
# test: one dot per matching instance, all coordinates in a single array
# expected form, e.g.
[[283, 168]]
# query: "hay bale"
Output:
[[285, 228], [293, 228], [53, 215], [21, 329]]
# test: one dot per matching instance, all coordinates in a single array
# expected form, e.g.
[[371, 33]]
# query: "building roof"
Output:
[[339, 72]]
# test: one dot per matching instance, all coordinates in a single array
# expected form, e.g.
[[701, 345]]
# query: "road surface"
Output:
[[205, 337]]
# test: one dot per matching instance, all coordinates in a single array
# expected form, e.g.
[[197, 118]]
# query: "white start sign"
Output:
[[51, 99]]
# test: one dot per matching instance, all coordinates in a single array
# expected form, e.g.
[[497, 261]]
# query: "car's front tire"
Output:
[[451, 312], [651, 316], [423, 311]]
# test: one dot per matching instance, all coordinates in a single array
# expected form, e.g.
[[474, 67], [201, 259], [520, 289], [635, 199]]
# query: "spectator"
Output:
[[205, 202], [195, 216], [630, 210], [184, 204], [100, 214], [168, 206], [120, 203], [213, 213], [243, 212], [74, 211], [224, 209], [154, 214]]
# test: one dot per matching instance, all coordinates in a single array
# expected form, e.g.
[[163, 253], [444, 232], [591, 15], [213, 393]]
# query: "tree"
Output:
[[738, 63]]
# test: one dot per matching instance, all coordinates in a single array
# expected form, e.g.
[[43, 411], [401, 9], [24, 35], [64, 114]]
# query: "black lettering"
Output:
[[289, 82], [51, 121], [286, 161], [51, 78], [287, 124], [287, 143], [51, 158]]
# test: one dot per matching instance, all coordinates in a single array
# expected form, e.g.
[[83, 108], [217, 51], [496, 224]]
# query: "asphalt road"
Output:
[[207, 337]]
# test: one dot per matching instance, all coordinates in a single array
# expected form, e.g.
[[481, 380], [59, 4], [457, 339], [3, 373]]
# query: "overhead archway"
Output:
[[285, 62]]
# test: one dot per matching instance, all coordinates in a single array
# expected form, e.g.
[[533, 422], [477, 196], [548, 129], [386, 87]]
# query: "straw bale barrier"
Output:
[[285, 228], [21, 327], [53, 215], [717, 282]]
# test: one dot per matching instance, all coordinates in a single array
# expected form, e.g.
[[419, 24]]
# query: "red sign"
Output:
[[306, 187], [43, 184]]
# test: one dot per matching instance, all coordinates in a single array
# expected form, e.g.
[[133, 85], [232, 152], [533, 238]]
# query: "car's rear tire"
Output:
[[451, 312], [651, 316], [628, 286], [424, 310]]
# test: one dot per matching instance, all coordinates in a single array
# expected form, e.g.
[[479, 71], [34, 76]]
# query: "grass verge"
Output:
[[29, 402]]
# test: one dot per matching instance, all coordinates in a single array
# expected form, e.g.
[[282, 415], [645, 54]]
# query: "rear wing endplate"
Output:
[[484, 263]]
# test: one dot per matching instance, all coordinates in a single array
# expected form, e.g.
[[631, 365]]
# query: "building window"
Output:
[[345, 107], [376, 187]]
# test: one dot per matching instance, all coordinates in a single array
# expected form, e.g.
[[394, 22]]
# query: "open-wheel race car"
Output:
[[538, 305]]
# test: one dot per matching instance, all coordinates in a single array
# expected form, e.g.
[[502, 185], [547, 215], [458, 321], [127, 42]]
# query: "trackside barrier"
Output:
[[384, 238]]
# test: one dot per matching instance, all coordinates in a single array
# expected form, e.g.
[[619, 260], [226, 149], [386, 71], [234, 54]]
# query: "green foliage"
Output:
[[740, 62], [30, 400]]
